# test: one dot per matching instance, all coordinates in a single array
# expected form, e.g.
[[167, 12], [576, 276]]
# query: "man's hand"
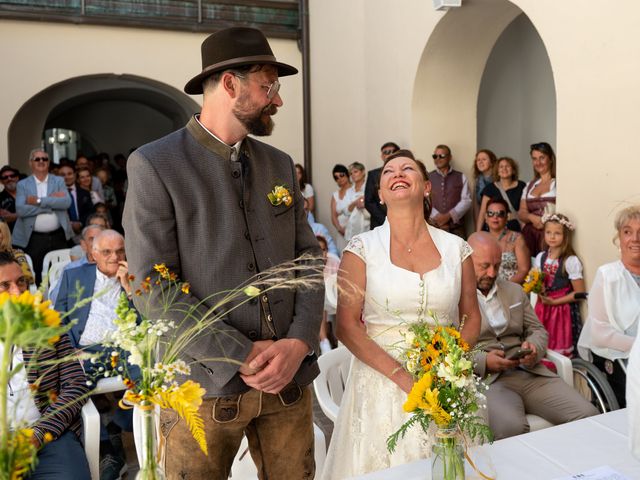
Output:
[[76, 226], [32, 200], [258, 347], [277, 364], [59, 194], [531, 359], [123, 276], [497, 363]]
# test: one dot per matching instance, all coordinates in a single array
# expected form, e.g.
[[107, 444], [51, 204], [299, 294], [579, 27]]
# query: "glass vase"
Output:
[[148, 445], [447, 461]]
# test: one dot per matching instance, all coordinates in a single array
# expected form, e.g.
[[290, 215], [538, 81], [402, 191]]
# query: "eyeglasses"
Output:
[[388, 151], [442, 156], [107, 252], [40, 159], [338, 175], [272, 88], [499, 213], [21, 283], [8, 177]]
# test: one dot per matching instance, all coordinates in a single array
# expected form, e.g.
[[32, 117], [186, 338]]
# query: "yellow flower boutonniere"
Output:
[[279, 195]]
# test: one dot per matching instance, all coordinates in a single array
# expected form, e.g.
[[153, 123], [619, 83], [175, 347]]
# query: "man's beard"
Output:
[[486, 283], [252, 120]]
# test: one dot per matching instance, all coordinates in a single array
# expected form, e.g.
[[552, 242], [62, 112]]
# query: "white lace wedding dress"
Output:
[[371, 407]]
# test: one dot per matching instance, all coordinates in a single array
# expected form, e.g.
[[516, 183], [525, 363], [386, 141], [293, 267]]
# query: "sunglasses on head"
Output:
[[499, 213], [40, 159], [9, 176], [542, 146], [388, 151], [338, 175], [442, 156]]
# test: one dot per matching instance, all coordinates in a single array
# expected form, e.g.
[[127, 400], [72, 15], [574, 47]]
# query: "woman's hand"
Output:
[[536, 221], [547, 300]]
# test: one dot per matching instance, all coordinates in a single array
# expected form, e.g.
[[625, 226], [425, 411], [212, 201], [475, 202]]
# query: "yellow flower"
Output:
[[48, 437], [415, 396], [279, 195], [251, 291], [185, 288]]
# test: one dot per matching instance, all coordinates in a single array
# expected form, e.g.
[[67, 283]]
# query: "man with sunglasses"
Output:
[[198, 201], [9, 177], [42, 201], [377, 211], [450, 196]]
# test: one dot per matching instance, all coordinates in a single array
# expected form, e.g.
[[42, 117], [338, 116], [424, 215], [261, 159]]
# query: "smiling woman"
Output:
[[408, 272]]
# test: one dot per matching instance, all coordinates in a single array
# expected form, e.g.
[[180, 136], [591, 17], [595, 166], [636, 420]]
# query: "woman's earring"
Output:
[[381, 202], [426, 195]]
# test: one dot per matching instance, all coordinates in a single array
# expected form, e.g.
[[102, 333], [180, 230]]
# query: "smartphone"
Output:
[[520, 353]]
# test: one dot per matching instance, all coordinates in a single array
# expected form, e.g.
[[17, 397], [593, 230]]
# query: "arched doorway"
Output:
[[469, 91], [112, 113]]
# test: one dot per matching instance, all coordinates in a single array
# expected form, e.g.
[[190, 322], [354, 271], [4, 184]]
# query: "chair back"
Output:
[[329, 385], [55, 272], [54, 256]]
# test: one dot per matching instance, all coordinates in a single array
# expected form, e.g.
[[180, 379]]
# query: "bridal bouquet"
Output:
[[26, 322], [155, 345], [445, 394], [534, 281]]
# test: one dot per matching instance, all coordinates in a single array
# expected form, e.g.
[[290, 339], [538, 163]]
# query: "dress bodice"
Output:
[[397, 296]]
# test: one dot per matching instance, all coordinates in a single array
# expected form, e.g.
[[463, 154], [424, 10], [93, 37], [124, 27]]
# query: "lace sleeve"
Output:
[[356, 246], [465, 251]]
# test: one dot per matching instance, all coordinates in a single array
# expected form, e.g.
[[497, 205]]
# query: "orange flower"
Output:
[[185, 288], [53, 396]]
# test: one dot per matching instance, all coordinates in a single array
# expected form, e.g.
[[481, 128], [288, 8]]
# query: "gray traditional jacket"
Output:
[[208, 219]]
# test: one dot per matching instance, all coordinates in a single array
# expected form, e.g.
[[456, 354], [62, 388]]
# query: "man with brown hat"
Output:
[[198, 202]]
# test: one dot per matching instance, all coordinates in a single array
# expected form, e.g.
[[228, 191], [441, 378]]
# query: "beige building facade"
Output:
[[490, 74]]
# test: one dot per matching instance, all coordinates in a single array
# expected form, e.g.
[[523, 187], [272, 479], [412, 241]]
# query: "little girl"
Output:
[[563, 285]]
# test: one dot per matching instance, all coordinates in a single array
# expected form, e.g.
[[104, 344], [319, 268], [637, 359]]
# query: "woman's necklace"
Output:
[[502, 234], [409, 246]]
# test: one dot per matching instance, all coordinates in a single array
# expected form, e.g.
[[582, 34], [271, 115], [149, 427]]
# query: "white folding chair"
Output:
[[33, 288], [54, 256], [55, 272], [565, 372], [329, 385], [91, 424]]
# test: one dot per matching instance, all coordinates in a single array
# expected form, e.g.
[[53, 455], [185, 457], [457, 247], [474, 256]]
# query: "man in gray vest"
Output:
[[198, 202], [450, 195]]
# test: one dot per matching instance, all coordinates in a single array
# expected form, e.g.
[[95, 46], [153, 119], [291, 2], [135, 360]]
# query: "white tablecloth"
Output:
[[545, 454]]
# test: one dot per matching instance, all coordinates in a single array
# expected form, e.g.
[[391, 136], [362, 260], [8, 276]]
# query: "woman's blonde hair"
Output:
[[623, 217], [5, 244]]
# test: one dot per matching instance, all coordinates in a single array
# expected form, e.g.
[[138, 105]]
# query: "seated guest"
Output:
[[633, 399], [614, 305], [509, 324], [516, 260], [20, 257], [89, 233], [48, 370], [99, 219], [105, 281], [42, 201]]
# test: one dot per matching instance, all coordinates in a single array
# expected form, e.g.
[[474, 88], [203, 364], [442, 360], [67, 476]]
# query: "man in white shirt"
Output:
[[512, 342], [42, 201], [105, 280]]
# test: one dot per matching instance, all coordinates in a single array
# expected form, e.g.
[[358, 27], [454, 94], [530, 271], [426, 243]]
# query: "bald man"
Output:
[[511, 344]]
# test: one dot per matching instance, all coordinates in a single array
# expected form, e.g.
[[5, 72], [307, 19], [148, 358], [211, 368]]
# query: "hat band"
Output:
[[255, 59]]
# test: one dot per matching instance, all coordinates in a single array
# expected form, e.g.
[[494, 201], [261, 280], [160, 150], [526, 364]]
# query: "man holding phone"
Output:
[[512, 342]]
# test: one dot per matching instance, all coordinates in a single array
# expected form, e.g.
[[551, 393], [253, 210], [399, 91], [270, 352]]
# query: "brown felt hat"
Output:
[[235, 47]]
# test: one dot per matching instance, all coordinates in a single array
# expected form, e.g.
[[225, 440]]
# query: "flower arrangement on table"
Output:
[[26, 322], [155, 345], [445, 393], [534, 281]]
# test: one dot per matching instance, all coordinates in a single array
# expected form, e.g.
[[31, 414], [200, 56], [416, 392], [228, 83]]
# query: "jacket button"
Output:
[[235, 173], [253, 335], [251, 266], [241, 203], [246, 234]]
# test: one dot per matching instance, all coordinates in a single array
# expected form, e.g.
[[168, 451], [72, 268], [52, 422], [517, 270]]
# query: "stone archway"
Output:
[[446, 96], [104, 108]]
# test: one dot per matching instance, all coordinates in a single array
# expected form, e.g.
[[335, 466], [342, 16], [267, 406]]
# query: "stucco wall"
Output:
[[593, 56], [37, 55]]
